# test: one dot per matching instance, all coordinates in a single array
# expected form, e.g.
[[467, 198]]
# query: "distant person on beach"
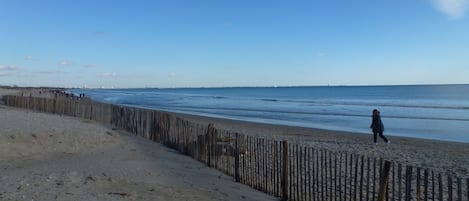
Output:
[[377, 127]]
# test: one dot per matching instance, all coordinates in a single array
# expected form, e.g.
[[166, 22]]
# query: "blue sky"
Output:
[[201, 43]]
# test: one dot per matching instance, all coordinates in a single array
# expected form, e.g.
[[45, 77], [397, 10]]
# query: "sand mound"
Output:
[[32, 134]]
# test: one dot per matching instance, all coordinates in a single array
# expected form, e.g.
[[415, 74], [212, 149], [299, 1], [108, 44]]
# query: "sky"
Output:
[[223, 43]]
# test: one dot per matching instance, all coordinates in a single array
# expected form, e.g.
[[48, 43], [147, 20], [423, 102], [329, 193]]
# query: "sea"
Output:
[[439, 112]]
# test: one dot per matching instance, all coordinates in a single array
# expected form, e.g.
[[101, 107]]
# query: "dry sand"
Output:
[[52, 157]]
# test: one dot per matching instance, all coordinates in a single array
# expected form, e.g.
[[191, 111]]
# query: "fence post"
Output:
[[408, 183], [450, 188], [285, 172], [383, 186], [237, 159], [91, 111], [208, 143]]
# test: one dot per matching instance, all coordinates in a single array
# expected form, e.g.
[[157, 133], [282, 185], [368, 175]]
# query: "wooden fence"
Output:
[[286, 170]]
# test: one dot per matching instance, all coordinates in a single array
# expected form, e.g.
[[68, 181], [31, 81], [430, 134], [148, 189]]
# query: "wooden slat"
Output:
[[297, 156], [368, 170], [335, 176], [315, 175], [362, 169], [440, 187], [309, 174], [425, 185], [408, 185], [290, 171], [355, 180], [285, 171], [417, 186], [450, 188], [330, 177], [305, 179], [384, 181]]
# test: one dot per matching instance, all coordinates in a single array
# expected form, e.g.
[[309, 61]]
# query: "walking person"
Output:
[[377, 127]]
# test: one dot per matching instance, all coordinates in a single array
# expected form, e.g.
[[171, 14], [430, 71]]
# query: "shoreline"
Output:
[[432, 116], [207, 118], [437, 155], [291, 131]]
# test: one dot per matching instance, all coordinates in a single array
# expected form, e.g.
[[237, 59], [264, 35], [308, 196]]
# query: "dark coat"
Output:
[[377, 124]]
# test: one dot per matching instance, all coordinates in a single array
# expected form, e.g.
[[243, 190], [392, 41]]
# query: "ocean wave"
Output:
[[245, 110], [398, 103], [270, 100]]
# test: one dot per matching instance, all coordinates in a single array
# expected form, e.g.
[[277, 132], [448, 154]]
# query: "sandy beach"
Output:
[[51, 157]]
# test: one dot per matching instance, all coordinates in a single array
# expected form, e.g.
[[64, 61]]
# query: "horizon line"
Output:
[[220, 87]]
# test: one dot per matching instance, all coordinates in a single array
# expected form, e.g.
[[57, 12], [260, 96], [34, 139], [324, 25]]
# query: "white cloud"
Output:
[[108, 75], [8, 68], [321, 54], [90, 66], [65, 63], [172, 74], [454, 9], [4, 73], [30, 58], [50, 72]]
